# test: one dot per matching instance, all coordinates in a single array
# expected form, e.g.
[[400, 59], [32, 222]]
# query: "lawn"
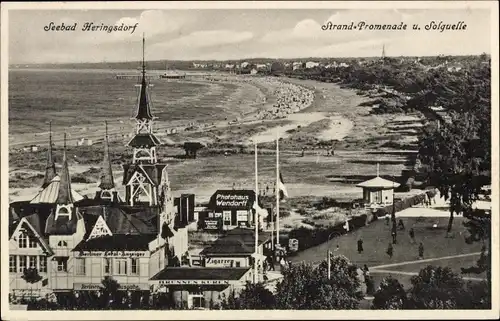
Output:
[[376, 238], [454, 264]]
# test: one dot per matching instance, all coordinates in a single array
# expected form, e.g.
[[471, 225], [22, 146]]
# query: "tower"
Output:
[[383, 51], [143, 177], [64, 201], [50, 168], [107, 184], [144, 142]]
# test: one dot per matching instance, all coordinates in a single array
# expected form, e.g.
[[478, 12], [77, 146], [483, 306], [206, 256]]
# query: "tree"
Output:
[[454, 162], [437, 288], [252, 297], [457, 156], [390, 296], [305, 286], [110, 291], [479, 228], [31, 276]]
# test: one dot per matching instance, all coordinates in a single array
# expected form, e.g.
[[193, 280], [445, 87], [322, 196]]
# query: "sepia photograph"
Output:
[[275, 157]]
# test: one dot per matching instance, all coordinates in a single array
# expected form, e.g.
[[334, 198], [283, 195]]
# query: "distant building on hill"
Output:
[[311, 64]]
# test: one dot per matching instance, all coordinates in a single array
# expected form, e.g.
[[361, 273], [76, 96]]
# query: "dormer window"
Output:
[[106, 195], [63, 210]]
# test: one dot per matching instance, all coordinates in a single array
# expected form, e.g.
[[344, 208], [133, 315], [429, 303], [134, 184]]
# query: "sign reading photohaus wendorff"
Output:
[[232, 200]]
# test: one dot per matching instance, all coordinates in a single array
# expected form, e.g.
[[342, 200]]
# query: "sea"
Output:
[[68, 97]]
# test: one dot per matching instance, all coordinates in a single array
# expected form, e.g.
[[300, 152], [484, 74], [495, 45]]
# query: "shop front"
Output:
[[200, 287], [230, 209]]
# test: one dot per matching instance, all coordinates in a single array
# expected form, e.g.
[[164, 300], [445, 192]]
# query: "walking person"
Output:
[[401, 225], [366, 273], [393, 234], [421, 251], [360, 246], [390, 250], [412, 235], [387, 218]]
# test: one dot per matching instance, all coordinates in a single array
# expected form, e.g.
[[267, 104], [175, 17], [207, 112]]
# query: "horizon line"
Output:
[[243, 59]]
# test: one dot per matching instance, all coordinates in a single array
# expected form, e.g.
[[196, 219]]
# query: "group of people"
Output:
[[290, 99]]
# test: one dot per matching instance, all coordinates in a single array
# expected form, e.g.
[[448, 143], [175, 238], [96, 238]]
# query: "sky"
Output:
[[224, 34]]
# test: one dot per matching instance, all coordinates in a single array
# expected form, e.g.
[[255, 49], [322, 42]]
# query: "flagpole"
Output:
[[256, 219], [277, 190], [272, 229]]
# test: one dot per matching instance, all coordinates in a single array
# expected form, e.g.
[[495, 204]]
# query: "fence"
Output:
[[312, 237]]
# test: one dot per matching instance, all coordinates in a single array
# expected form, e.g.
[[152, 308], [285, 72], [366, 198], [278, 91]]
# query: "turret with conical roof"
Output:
[[50, 169], [64, 201], [107, 183]]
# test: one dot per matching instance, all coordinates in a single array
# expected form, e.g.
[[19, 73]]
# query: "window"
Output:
[[23, 240], [238, 263], [43, 264], [32, 242], [197, 300], [62, 244], [22, 263], [105, 195], [12, 263], [62, 264], [107, 266], [32, 262], [79, 266], [121, 266], [134, 266]]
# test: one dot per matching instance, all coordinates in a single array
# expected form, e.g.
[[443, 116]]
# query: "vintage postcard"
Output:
[[243, 160]]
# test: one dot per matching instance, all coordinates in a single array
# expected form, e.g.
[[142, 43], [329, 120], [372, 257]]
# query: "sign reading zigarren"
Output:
[[113, 253]]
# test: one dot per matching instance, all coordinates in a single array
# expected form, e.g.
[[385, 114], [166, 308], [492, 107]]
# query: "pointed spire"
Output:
[[64, 195], [50, 169], [107, 181], [143, 109]]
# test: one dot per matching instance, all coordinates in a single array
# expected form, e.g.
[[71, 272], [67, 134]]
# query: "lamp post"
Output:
[[328, 257]]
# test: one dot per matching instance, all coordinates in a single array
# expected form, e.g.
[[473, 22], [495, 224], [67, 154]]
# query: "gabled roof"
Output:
[[119, 221], [236, 241], [378, 182], [50, 193], [32, 222], [153, 172], [119, 242], [144, 140], [200, 273]]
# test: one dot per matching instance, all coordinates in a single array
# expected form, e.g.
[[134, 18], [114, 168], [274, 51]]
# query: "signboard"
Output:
[[209, 261], [227, 216], [293, 245], [193, 282], [27, 292], [212, 224], [113, 253], [232, 199], [242, 216], [99, 286]]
